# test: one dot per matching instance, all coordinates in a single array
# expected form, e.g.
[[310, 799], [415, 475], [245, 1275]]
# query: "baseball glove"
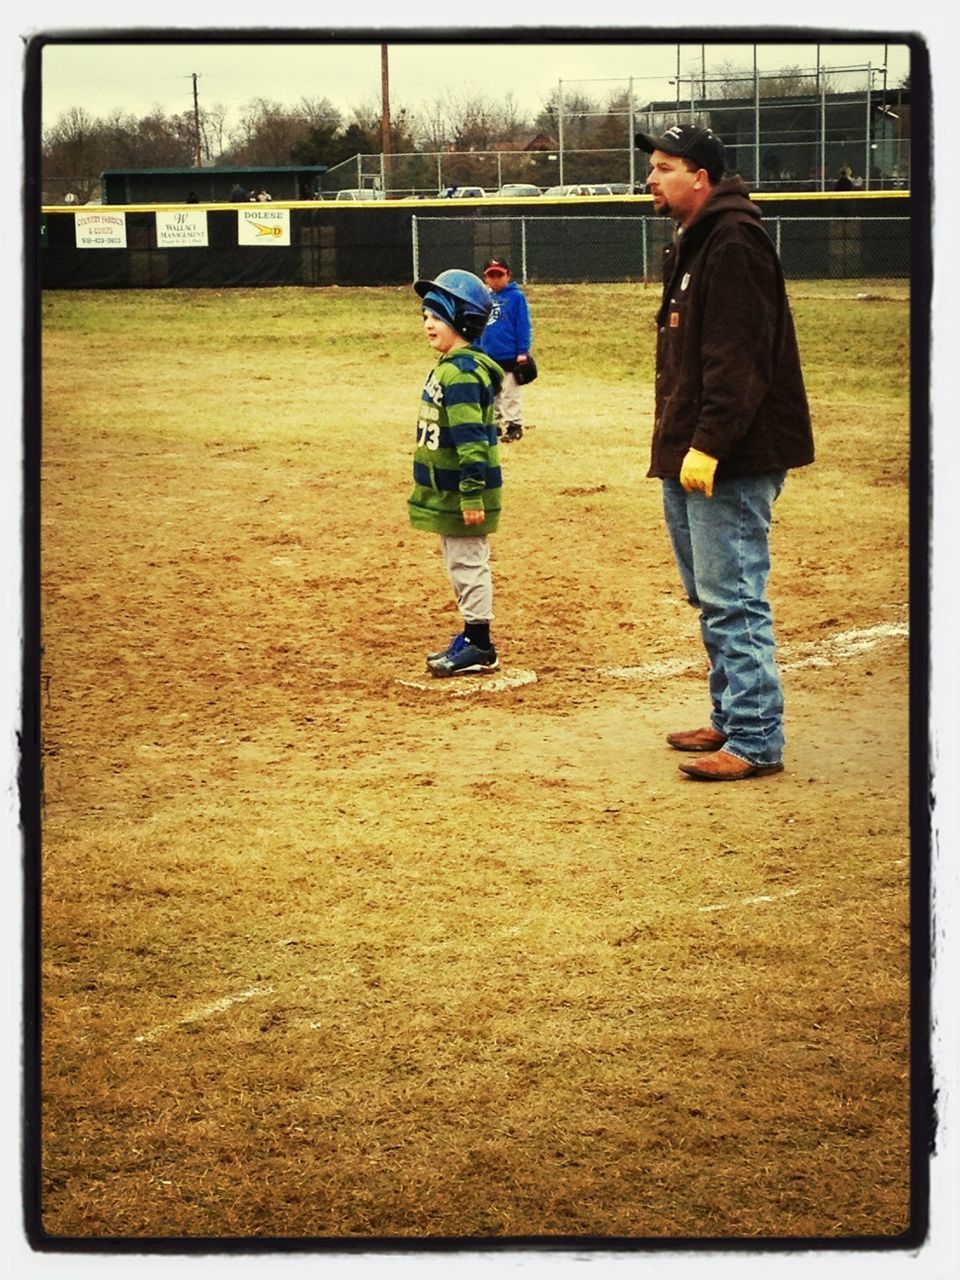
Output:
[[526, 371]]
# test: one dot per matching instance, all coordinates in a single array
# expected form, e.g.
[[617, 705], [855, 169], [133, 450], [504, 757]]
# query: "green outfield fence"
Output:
[[607, 249], [392, 242]]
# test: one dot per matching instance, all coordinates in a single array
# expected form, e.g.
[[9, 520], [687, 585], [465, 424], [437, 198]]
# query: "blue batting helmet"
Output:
[[460, 298]]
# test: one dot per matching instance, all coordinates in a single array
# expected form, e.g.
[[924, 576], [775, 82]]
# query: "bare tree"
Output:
[[319, 113], [466, 119], [579, 110], [429, 128], [213, 132], [468, 112], [75, 152], [365, 127], [156, 141], [729, 81], [507, 124], [612, 127], [267, 133]]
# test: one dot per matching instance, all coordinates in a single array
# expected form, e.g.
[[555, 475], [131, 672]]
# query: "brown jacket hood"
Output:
[[730, 195]]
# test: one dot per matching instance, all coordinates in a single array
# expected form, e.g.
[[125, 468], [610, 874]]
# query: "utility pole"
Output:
[[196, 122], [384, 117]]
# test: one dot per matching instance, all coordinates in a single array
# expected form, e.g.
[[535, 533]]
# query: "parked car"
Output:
[[358, 193], [567, 189], [515, 190], [600, 189], [620, 189], [466, 193]]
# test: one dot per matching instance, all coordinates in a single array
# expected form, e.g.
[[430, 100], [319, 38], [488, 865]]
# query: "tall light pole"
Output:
[[631, 145], [678, 79], [560, 125]]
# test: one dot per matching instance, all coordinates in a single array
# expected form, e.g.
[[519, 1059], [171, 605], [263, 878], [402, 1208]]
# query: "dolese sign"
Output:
[[262, 226]]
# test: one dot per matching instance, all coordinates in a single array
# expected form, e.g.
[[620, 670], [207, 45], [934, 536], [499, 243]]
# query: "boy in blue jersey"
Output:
[[507, 339], [456, 466]]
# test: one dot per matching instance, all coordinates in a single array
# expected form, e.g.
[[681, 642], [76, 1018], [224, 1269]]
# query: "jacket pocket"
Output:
[[425, 474], [677, 416]]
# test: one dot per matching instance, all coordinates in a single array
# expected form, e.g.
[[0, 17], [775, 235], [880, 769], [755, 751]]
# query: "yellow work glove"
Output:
[[697, 471]]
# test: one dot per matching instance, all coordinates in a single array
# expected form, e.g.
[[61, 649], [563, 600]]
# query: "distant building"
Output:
[[541, 142], [803, 140], [212, 185]]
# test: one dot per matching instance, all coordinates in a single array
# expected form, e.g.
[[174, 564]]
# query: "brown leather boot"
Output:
[[721, 766], [708, 739]]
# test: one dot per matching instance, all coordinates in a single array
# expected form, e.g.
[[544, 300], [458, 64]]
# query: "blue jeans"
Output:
[[722, 549]]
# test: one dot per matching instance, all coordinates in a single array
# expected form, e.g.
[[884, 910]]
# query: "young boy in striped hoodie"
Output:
[[457, 481]]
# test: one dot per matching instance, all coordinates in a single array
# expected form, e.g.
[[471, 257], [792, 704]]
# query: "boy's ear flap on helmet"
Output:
[[466, 295], [441, 304], [472, 325]]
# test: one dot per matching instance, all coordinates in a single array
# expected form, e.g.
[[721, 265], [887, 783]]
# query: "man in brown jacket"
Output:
[[731, 419]]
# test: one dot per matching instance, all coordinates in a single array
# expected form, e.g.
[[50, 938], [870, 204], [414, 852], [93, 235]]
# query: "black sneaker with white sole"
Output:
[[463, 659], [455, 645]]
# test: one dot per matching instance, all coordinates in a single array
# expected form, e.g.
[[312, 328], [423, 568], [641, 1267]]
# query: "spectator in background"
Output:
[[844, 181], [263, 195], [238, 194]]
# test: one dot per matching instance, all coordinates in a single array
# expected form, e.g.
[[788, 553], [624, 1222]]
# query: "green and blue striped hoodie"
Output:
[[456, 466]]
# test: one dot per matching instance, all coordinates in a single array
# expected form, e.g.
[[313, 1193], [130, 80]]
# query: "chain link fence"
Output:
[[798, 161], [597, 250], [793, 131], [430, 174]]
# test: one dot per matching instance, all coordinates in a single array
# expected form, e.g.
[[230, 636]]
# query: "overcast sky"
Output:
[[135, 78]]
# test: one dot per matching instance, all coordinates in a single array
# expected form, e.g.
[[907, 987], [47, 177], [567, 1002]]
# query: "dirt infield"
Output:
[[332, 950]]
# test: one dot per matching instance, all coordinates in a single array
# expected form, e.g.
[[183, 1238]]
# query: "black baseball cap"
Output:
[[691, 141], [497, 264]]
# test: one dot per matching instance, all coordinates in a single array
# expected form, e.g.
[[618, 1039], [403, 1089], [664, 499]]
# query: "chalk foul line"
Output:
[[204, 1012], [759, 900], [844, 645], [825, 653]]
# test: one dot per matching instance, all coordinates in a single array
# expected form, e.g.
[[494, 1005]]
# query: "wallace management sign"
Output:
[[181, 229]]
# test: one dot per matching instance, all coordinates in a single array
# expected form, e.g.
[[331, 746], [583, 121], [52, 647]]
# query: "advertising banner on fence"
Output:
[[181, 229], [263, 226], [101, 230]]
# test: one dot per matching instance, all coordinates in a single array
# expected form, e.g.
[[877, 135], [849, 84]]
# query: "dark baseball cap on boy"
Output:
[[691, 141], [500, 266]]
